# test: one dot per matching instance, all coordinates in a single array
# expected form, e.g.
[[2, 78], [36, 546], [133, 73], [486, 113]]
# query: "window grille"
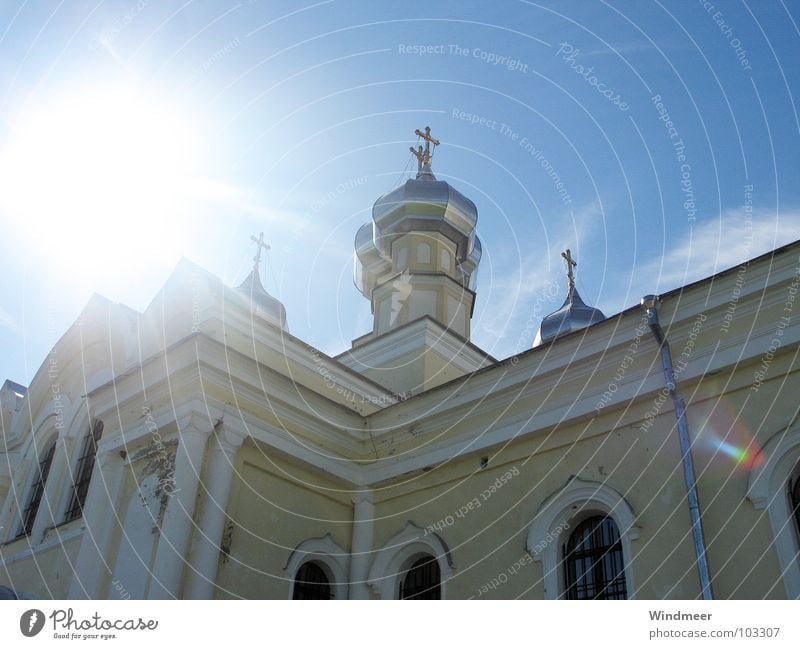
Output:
[[83, 474], [311, 582], [594, 567], [37, 491], [422, 581], [794, 497]]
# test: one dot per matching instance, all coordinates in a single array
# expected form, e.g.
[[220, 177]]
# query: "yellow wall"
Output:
[[48, 575], [276, 505]]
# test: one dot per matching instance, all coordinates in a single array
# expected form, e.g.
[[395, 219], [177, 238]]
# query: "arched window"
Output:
[[424, 253], [562, 513], [423, 580], [773, 486], [404, 566], [444, 260], [83, 474], [311, 582], [594, 567], [37, 490], [794, 498], [402, 258]]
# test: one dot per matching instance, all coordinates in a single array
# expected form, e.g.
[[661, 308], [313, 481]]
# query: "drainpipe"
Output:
[[363, 520], [650, 305]]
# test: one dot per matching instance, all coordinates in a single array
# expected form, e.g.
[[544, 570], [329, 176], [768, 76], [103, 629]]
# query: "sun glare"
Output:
[[98, 179]]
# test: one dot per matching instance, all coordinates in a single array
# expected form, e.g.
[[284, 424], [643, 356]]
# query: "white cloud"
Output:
[[708, 248], [722, 243]]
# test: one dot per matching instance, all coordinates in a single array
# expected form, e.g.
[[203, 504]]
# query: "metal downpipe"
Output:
[[650, 305]]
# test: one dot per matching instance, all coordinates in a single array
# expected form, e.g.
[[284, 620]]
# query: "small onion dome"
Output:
[[262, 302], [573, 315]]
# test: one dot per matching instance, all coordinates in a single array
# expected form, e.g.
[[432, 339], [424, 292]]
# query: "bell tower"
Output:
[[419, 255], [416, 262]]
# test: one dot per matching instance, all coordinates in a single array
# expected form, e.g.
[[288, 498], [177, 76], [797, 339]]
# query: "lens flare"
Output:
[[739, 454], [725, 435]]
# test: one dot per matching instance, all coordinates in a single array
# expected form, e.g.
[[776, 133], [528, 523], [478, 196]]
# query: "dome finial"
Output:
[[574, 314], [424, 155], [260, 245], [571, 263], [259, 299]]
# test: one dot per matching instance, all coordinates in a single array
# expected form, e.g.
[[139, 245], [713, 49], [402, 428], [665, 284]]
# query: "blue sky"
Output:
[[657, 140]]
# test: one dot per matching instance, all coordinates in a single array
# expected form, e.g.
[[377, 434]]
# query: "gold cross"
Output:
[[260, 245], [424, 155], [571, 263]]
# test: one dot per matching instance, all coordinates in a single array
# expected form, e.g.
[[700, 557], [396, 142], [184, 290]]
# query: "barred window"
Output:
[[594, 567], [423, 580], [794, 498], [37, 490], [311, 582], [83, 474]]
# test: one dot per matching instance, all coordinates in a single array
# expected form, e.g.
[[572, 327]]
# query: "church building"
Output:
[[199, 450]]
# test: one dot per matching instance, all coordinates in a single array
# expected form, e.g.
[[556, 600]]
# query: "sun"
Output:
[[99, 179]]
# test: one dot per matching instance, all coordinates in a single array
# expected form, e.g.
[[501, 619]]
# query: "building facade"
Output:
[[199, 450]]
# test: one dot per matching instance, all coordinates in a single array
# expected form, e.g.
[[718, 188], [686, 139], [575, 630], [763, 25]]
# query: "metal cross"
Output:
[[424, 155], [260, 245], [571, 263]]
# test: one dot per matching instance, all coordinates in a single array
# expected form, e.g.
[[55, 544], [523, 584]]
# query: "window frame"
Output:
[[561, 512], [446, 260], [794, 500], [329, 555], [424, 253], [767, 488], [599, 527], [398, 554], [36, 490], [310, 585], [418, 562], [82, 477]]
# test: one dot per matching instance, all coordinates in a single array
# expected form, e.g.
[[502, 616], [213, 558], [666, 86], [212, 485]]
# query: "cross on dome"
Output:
[[424, 155], [571, 263], [260, 245]]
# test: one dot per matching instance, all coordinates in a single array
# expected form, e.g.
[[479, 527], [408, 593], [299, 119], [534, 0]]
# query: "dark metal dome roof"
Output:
[[573, 315]]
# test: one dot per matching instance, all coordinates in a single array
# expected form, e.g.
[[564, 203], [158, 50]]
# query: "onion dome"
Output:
[[573, 315], [261, 302], [423, 205]]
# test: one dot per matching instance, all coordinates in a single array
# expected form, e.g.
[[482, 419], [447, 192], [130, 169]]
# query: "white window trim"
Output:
[[767, 489], [329, 555], [396, 557], [564, 509]]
